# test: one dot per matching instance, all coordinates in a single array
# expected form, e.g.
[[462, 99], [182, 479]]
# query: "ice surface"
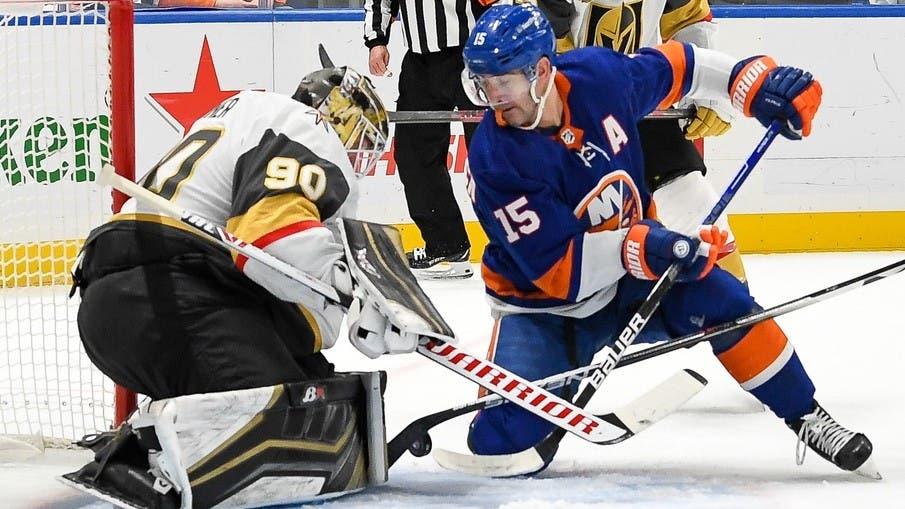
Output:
[[719, 451]]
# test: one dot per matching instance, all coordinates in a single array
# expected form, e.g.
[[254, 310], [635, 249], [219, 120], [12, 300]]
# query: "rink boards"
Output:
[[842, 189]]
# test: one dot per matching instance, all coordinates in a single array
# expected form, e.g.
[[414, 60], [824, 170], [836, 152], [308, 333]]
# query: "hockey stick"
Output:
[[474, 116], [636, 416], [109, 177], [535, 458], [496, 379], [415, 437], [633, 417]]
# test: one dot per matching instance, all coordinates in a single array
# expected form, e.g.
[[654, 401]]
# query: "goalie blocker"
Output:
[[283, 444]]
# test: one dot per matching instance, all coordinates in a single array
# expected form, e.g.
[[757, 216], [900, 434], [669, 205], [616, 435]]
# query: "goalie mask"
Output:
[[349, 102]]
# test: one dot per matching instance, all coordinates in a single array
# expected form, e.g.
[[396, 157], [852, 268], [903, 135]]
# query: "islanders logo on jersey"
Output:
[[613, 204]]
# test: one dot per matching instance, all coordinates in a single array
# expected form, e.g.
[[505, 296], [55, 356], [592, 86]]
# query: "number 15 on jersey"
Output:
[[517, 219]]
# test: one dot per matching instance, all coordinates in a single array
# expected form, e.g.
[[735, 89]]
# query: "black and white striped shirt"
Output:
[[428, 25]]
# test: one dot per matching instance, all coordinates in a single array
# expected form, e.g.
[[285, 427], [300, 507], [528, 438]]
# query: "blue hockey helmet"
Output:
[[509, 38]]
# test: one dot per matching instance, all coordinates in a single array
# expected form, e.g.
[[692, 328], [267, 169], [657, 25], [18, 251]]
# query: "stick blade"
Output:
[[503, 465], [661, 400], [634, 417]]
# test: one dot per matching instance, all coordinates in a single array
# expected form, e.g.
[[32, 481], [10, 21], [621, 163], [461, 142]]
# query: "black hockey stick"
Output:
[[416, 439], [474, 116], [533, 459]]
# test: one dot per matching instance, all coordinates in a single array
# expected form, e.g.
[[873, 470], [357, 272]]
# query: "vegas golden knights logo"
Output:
[[617, 28]]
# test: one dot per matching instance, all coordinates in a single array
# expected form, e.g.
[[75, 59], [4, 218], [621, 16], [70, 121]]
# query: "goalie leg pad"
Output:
[[266, 446]]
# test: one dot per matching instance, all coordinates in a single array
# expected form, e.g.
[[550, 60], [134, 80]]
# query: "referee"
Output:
[[435, 31]]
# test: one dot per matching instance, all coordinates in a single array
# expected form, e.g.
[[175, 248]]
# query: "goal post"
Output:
[[66, 108], [122, 105]]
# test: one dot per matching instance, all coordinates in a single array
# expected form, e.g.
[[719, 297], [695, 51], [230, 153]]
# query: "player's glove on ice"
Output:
[[649, 249], [762, 90]]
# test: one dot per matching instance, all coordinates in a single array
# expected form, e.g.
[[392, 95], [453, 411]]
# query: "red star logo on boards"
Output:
[[187, 107]]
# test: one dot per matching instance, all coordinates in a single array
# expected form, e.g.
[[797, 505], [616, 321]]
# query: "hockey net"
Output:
[[66, 106]]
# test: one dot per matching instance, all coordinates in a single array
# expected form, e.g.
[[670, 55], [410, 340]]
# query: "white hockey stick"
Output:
[[636, 416], [523, 393], [496, 379]]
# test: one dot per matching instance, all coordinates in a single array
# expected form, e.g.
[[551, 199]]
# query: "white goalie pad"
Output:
[[285, 444], [189, 428]]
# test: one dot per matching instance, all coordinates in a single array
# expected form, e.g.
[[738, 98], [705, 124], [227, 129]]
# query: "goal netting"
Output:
[[64, 111]]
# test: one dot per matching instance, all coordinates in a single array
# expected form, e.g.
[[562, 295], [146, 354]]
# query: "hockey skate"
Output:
[[840, 446], [427, 265]]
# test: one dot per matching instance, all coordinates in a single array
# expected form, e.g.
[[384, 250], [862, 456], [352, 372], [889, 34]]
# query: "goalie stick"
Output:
[[510, 386], [415, 437], [535, 458], [375, 250]]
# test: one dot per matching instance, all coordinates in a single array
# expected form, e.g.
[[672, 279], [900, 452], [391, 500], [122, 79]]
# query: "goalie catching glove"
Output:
[[649, 249]]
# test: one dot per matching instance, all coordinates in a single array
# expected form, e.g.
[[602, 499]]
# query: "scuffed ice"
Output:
[[719, 451]]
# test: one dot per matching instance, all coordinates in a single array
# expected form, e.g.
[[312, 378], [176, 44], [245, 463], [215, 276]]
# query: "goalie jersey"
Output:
[[273, 172], [627, 26], [556, 205]]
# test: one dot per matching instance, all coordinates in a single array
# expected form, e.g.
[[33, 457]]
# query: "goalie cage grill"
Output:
[[66, 107]]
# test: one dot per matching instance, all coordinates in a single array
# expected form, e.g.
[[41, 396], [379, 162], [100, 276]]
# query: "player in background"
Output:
[[245, 409], [556, 178]]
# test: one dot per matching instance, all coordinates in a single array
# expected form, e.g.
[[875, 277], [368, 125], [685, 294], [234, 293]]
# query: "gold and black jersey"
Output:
[[254, 147], [280, 187], [273, 172], [627, 26], [679, 14]]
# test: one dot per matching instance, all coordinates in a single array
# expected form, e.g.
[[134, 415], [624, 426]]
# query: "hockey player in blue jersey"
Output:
[[556, 178]]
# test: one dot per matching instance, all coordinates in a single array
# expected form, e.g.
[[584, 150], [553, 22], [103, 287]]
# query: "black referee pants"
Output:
[[431, 81]]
